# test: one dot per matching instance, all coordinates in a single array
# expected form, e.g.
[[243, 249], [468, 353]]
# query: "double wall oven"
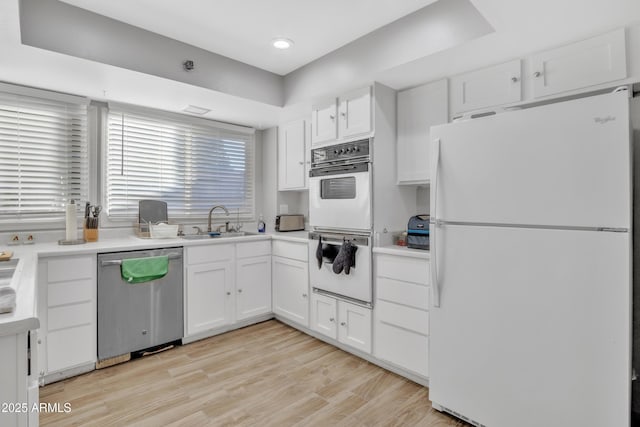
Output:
[[340, 213]]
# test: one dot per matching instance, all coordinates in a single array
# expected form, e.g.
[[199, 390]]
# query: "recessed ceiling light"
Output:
[[282, 43], [195, 110]]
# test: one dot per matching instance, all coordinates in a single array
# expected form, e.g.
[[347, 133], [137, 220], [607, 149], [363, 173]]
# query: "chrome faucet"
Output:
[[211, 212]]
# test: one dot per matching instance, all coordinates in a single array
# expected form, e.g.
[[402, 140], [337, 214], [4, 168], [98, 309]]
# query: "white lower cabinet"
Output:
[[401, 318], [348, 323], [67, 338], [253, 279], [209, 296], [290, 281], [226, 283], [291, 289]]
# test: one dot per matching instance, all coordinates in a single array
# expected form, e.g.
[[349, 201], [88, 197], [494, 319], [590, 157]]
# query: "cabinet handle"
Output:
[[514, 79], [301, 163], [343, 323], [239, 291], [304, 295], [332, 117], [343, 114], [39, 341], [228, 293], [537, 74], [331, 319]]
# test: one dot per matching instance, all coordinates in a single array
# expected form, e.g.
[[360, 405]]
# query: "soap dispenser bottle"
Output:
[[261, 224]]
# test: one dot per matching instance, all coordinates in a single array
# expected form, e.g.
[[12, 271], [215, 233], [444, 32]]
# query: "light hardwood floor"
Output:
[[267, 374]]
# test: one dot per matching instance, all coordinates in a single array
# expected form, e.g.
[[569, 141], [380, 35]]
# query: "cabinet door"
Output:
[[324, 121], [253, 287], [209, 296], [290, 281], [291, 156], [488, 87], [355, 113], [590, 62], [323, 315], [418, 109], [355, 326]]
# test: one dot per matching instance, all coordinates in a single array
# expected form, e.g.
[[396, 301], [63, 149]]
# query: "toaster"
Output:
[[418, 232], [289, 222]]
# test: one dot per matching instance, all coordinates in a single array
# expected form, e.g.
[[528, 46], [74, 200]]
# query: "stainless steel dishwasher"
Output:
[[138, 316]]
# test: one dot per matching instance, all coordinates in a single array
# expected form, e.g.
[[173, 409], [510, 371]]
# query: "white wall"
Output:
[[437, 27], [59, 27]]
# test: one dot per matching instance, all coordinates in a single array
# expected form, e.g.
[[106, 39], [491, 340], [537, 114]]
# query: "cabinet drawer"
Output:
[[70, 315], [403, 268], [70, 268], [299, 251], [209, 253], [252, 249], [406, 293], [406, 349], [71, 292], [71, 347], [402, 316]]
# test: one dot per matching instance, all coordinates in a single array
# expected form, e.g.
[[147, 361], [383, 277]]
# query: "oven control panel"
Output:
[[341, 152]]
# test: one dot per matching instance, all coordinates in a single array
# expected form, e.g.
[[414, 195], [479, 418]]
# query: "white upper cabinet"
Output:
[[418, 109], [342, 118], [586, 63], [488, 87], [355, 113], [292, 162], [324, 121]]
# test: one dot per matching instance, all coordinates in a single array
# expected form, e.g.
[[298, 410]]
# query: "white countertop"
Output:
[[25, 316], [402, 251], [24, 281]]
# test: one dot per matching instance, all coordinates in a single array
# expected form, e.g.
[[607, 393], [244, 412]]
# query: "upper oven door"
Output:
[[340, 197]]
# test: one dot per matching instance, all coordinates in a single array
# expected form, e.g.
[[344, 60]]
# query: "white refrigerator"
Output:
[[530, 321]]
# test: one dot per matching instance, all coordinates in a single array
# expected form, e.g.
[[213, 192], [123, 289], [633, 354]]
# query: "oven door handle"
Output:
[[119, 261], [339, 170]]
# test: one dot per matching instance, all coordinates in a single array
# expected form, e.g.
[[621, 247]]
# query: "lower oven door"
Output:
[[357, 284], [341, 197]]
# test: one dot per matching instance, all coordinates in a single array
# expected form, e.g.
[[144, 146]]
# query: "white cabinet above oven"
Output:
[[343, 117]]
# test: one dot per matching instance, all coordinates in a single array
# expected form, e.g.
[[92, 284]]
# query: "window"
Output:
[[192, 164], [43, 153]]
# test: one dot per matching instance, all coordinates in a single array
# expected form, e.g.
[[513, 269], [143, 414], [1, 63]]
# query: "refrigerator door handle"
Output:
[[434, 250]]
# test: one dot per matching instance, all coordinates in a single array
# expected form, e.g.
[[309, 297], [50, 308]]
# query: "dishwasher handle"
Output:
[[119, 261]]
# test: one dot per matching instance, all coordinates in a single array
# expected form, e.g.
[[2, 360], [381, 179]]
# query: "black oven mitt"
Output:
[[346, 258], [319, 252]]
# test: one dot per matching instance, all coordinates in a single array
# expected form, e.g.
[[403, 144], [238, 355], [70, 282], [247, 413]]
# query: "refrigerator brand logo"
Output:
[[603, 120]]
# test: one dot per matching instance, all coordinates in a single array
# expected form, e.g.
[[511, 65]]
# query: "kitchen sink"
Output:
[[219, 236], [195, 236]]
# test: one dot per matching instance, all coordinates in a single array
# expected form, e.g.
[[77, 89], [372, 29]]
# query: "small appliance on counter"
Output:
[[289, 222], [418, 232]]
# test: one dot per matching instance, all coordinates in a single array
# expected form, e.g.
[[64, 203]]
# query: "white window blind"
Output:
[[189, 163], [43, 156]]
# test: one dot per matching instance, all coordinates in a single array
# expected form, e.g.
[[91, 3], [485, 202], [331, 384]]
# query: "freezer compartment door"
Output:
[[533, 327], [563, 164]]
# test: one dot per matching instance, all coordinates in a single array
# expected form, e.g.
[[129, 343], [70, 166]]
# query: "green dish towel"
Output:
[[139, 270]]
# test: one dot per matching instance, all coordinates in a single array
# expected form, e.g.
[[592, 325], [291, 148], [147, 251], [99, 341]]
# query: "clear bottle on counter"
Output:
[[261, 224]]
